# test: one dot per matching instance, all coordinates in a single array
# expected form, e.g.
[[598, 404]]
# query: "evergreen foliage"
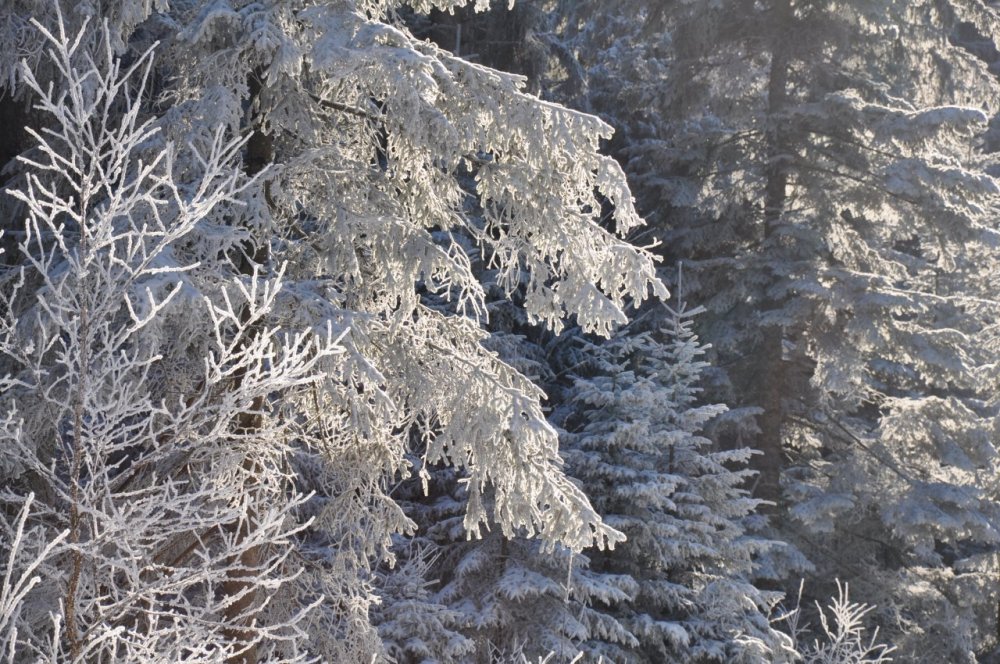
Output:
[[836, 212], [315, 344], [218, 355], [636, 442]]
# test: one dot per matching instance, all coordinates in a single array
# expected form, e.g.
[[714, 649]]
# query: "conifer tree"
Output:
[[413, 624], [635, 440], [516, 599], [269, 406], [792, 151]]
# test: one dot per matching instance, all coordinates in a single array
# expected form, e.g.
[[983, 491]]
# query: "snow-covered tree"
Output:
[[219, 354], [133, 372], [840, 636], [413, 624], [515, 598], [818, 166], [635, 440], [518, 598]]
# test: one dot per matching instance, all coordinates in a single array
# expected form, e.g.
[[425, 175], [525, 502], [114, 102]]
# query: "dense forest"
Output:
[[447, 331]]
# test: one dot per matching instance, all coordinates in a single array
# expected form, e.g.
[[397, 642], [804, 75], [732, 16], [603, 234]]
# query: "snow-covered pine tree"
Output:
[[635, 441], [840, 634], [514, 598], [519, 599], [346, 192], [839, 226], [414, 625]]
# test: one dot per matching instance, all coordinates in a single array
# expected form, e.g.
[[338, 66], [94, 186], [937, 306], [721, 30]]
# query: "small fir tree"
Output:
[[635, 441]]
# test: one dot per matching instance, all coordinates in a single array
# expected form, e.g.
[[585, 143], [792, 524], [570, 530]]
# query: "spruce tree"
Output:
[[791, 152], [636, 440]]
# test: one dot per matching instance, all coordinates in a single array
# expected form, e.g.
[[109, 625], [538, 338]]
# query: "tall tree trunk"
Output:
[[774, 368]]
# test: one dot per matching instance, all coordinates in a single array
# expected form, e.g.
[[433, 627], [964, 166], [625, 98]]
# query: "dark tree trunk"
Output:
[[774, 370]]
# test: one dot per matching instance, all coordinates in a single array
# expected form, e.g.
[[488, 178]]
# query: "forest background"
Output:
[[436, 331]]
